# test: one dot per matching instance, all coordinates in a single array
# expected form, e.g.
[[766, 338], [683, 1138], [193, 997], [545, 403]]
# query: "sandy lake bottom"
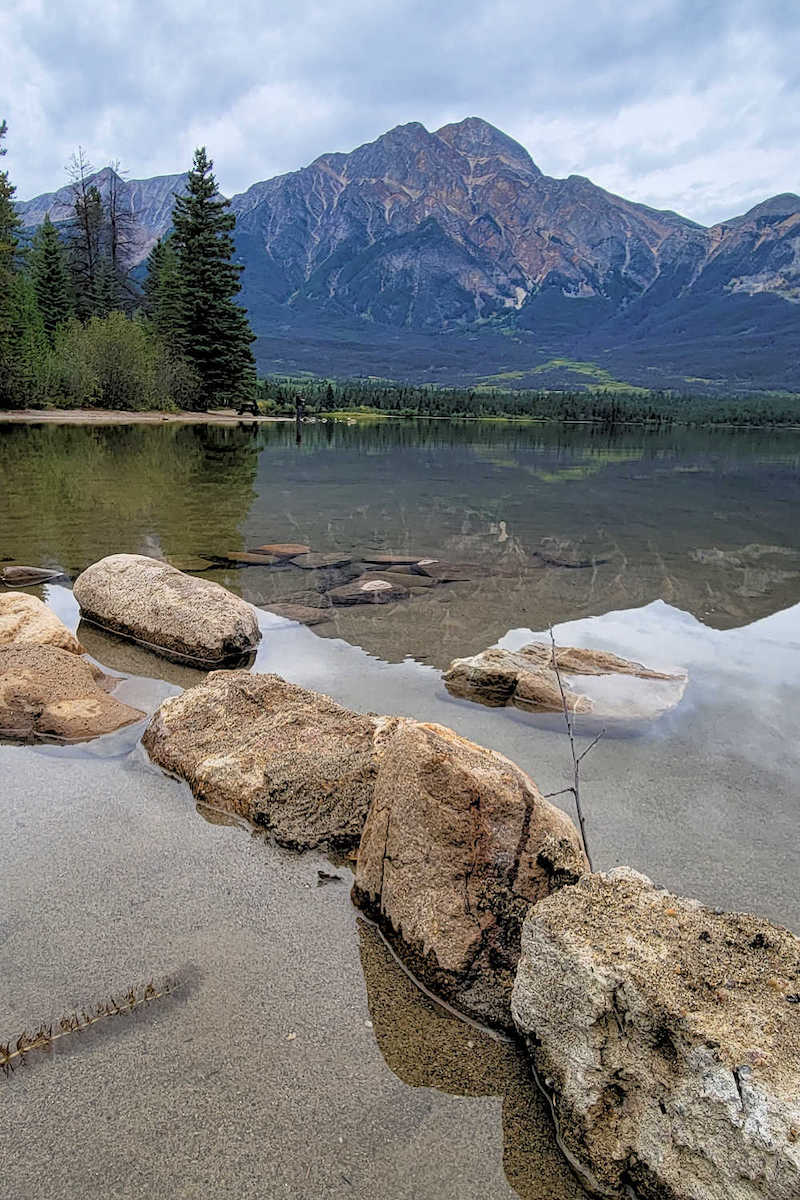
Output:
[[112, 876]]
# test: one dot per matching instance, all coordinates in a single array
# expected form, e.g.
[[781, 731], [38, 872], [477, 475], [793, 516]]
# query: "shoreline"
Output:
[[111, 416]]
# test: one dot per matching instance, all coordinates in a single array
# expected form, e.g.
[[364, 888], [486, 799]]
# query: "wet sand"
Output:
[[111, 876]]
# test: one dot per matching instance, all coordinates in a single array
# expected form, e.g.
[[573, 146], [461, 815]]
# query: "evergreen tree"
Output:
[[213, 333], [50, 275], [161, 291], [9, 268]]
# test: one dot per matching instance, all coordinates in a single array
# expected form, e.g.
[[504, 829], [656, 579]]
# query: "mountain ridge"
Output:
[[457, 232]]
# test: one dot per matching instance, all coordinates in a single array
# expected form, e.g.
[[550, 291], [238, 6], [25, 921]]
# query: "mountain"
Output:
[[449, 256]]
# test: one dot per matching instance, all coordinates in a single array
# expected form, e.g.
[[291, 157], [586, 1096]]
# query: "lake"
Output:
[[677, 549]]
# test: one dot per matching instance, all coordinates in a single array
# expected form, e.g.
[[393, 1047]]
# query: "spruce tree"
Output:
[[160, 288], [213, 333], [50, 275], [9, 268]]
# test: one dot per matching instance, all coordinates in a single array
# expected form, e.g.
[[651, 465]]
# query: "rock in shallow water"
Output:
[[190, 620], [369, 589], [284, 757], [47, 692], [26, 620], [618, 689], [669, 1036], [458, 843], [16, 576]]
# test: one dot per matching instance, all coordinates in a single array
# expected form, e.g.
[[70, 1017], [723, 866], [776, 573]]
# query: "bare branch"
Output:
[[576, 758]]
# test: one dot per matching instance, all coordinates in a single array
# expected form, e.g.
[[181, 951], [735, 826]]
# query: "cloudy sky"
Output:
[[686, 104]]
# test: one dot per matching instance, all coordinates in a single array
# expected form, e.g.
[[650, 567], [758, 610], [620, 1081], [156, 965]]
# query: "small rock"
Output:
[[284, 549], [26, 576], [48, 692], [26, 620], [446, 572], [369, 590], [388, 560], [246, 558], [526, 679], [314, 562], [302, 613]]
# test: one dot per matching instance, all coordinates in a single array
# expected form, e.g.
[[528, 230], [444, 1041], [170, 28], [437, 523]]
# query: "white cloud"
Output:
[[679, 104]]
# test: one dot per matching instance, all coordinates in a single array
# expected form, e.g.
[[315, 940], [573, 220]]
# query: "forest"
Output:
[[78, 330]]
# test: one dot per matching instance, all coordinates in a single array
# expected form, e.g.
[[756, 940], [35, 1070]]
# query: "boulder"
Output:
[[17, 576], [669, 1036], [284, 757], [187, 619], [594, 681], [26, 621], [51, 693], [369, 589], [457, 845]]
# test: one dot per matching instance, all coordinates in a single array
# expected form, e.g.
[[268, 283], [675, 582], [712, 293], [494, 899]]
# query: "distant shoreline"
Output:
[[110, 416]]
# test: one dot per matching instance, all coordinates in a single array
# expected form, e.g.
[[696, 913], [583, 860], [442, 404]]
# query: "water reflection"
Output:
[[428, 1047], [556, 523]]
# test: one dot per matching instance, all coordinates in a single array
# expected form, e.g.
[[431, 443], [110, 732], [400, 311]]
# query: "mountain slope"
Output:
[[449, 255]]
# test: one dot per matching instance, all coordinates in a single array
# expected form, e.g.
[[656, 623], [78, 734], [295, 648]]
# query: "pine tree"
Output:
[[161, 291], [50, 274], [213, 332], [9, 268]]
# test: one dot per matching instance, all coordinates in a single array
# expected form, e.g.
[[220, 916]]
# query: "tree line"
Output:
[[76, 326], [601, 406]]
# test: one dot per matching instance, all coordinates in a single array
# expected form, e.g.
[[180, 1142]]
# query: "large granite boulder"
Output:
[[457, 845], [187, 619], [25, 620], [669, 1035], [594, 681], [284, 757], [50, 693]]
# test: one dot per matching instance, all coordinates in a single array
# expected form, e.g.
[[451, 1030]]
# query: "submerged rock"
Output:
[[669, 1034], [314, 562], [284, 549], [369, 589], [49, 692], [246, 558], [286, 758], [457, 845], [391, 560], [190, 620], [304, 614], [17, 576], [25, 620], [446, 572], [526, 679]]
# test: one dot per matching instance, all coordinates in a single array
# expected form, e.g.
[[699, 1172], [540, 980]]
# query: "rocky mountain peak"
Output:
[[476, 138]]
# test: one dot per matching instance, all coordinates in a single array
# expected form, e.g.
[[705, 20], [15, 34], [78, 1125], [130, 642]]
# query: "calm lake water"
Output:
[[677, 549]]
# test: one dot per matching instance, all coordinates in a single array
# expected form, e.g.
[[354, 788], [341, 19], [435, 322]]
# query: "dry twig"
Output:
[[14, 1053], [577, 759]]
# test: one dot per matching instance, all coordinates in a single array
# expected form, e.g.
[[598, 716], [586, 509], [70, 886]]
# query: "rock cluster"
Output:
[[187, 619], [457, 841], [611, 688], [669, 1036]]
